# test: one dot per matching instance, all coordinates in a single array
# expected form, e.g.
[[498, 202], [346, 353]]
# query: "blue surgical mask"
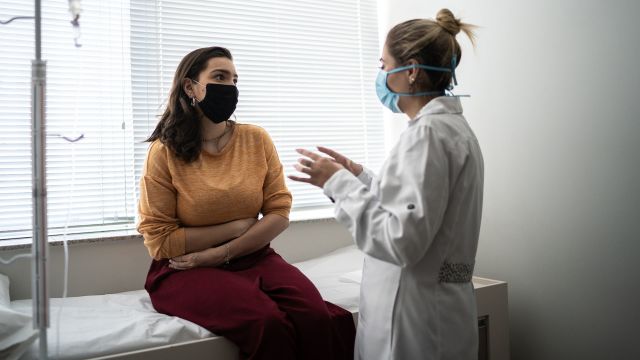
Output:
[[389, 98]]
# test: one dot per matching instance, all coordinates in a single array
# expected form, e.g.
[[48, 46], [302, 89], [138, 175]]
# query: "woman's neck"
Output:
[[211, 130]]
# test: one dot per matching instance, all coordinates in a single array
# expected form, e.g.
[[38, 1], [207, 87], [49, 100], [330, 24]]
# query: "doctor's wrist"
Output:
[[357, 169], [331, 187]]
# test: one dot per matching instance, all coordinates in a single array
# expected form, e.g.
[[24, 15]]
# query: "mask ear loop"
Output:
[[454, 64], [194, 101], [449, 90]]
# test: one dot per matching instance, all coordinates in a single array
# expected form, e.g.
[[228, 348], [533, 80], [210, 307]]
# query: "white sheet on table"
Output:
[[106, 324], [326, 273], [352, 277]]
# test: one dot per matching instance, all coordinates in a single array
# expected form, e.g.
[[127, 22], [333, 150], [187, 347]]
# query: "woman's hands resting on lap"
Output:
[[211, 257]]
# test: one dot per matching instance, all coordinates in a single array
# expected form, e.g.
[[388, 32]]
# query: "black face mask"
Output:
[[220, 102]]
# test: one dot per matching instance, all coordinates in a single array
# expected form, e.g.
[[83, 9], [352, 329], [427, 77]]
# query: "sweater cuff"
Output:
[[177, 242], [341, 184]]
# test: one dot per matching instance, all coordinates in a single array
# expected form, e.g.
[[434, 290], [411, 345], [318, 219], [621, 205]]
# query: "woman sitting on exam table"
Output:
[[417, 221], [205, 180]]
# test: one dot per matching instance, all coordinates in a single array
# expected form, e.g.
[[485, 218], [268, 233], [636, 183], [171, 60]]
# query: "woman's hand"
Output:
[[243, 225], [211, 257], [319, 168], [348, 164]]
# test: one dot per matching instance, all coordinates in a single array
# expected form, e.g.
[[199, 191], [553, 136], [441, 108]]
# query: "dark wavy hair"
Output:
[[179, 125]]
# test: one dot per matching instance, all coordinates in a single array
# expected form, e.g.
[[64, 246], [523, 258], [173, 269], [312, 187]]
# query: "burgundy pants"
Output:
[[266, 306]]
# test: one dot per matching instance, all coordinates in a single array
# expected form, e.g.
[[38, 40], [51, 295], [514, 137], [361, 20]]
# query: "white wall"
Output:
[[555, 104]]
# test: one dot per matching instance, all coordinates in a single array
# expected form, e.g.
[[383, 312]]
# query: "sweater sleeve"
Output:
[[276, 197], [158, 223]]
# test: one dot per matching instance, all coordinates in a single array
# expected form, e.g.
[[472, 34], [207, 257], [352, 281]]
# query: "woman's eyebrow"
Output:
[[227, 72]]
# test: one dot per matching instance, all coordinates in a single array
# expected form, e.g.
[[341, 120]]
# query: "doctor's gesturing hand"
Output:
[[348, 164], [320, 168]]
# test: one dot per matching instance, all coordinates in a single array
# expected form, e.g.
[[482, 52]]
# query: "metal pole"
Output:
[[40, 246]]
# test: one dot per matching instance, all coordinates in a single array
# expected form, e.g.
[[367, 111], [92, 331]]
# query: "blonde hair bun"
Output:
[[430, 42], [447, 21]]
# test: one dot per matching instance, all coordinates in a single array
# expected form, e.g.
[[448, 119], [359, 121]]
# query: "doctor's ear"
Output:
[[412, 73]]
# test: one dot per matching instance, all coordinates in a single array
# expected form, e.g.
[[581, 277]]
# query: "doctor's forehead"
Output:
[[385, 58]]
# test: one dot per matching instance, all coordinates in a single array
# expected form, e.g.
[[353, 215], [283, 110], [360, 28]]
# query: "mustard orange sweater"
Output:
[[244, 179]]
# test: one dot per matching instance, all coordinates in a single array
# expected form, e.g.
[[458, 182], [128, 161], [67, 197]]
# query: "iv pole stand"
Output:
[[40, 245]]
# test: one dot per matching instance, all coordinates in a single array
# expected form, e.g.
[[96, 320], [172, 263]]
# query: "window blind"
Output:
[[90, 182], [307, 71]]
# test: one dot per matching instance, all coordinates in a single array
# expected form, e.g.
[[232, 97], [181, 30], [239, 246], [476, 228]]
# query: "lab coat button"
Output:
[[411, 206]]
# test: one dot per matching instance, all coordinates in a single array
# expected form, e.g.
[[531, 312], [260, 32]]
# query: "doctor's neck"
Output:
[[412, 105]]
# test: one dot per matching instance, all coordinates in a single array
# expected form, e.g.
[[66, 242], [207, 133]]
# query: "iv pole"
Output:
[[40, 245]]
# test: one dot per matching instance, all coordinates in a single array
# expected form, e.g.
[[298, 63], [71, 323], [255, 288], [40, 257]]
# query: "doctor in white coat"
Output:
[[417, 221]]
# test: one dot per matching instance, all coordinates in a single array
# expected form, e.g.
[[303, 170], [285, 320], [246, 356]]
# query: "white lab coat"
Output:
[[422, 211]]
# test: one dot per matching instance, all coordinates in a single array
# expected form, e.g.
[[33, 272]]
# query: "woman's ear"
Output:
[[187, 87]]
